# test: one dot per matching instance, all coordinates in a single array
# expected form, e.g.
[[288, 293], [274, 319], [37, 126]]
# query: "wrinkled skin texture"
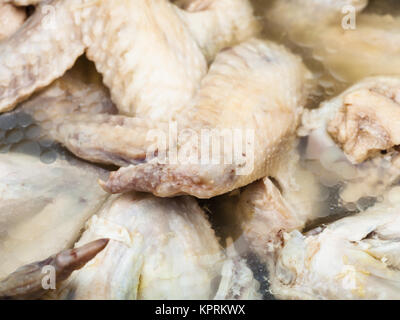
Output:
[[117, 36], [353, 258], [363, 120], [43, 207], [40, 52], [232, 97], [71, 95], [368, 165], [362, 129], [158, 249], [27, 282], [257, 86], [11, 19], [372, 48], [281, 203]]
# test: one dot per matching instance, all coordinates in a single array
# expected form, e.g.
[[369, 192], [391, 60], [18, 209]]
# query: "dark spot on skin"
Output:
[[226, 49]]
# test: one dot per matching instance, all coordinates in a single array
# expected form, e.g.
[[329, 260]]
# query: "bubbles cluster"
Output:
[[19, 133]]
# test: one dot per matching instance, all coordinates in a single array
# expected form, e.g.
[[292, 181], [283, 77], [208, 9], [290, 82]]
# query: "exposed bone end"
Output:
[[27, 281], [264, 215], [367, 123]]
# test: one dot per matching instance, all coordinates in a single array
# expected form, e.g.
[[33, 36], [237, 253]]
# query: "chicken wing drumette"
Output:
[[122, 37], [257, 88]]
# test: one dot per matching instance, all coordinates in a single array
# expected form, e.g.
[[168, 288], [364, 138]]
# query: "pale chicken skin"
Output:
[[349, 43], [352, 139], [11, 19], [158, 249], [353, 258], [257, 88], [363, 120], [120, 37], [40, 212], [286, 201]]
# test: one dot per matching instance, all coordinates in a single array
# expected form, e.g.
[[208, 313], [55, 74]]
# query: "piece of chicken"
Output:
[[43, 207], [301, 20], [281, 203], [362, 120], [237, 280], [11, 19], [257, 89], [33, 280], [370, 48], [353, 258], [136, 45], [74, 93], [158, 249]]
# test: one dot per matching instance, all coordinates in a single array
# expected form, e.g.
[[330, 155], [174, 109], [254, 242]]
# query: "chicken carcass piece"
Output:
[[363, 120], [257, 88], [41, 51], [30, 281], [71, 94], [11, 19], [353, 258], [301, 20], [369, 49], [43, 207], [211, 23], [136, 46], [281, 203], [158, 249], [237, 280]]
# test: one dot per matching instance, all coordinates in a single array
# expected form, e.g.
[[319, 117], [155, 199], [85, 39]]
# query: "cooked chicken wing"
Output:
[[366, 47], [43, 207], [258, 89], [30, 282], [11, 19], [120, 37], [353, 258], [159, 249]]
